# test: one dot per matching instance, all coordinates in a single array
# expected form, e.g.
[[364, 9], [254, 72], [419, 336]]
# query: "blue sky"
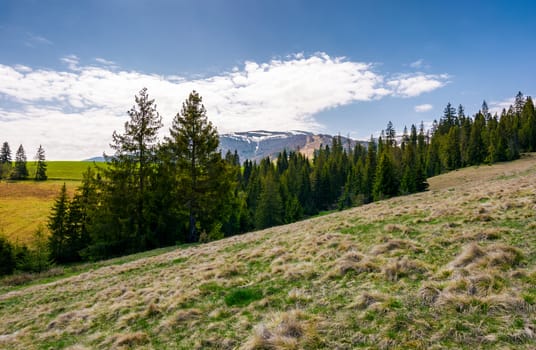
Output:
[[69, 69]]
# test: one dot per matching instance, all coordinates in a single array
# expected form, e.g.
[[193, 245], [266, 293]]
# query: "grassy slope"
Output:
[[24, 205], [454, 267]]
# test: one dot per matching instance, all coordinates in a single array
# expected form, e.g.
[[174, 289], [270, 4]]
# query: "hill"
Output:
[[255, 145], [454, 267]]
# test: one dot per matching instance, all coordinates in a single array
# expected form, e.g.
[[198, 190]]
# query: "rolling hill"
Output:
[[454, 267]]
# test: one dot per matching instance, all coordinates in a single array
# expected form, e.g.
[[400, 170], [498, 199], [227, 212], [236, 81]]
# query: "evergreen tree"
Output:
[[41, 168], [59, 232], [20, 171], [5, 161], [7, 257], [270, 207], [386, 180], [129, 172], [40, 254], [369, 172], [5, 154], [202, 176]]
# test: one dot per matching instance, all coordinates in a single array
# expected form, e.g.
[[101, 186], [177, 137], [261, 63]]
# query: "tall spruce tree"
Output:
[[270, 207], [5, 161], [20, 171], [57, 224], [124, 225], [5, 153], [41, 166], [201, 174]]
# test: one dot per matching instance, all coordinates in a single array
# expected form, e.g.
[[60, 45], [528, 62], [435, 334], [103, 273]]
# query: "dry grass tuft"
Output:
[[366, 300], [403, 267], [469, 254], [129, 340], [429, 293], [287, 330], [352, 261], [397, 228], [393, 244]]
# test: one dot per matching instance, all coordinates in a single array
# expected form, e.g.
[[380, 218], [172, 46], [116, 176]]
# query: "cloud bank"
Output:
[[74, 111]]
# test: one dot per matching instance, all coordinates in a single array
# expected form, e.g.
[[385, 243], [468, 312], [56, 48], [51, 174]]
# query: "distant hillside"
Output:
[[450, 268], [255, 145]]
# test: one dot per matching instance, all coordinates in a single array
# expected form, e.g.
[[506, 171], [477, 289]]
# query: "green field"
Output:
[[63, 170], [25, 205], [450, 268]]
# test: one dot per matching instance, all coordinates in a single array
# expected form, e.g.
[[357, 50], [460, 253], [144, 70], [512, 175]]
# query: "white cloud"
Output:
[[73, 113], [33, 40], [496, 107], [411, 85], [423, 108], [71, 61], [417, 64]]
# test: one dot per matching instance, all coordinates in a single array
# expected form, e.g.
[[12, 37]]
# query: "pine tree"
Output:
[[386, 181], [20, 171], [5, 154], [128, 174], [202, 176], [7, 257], [369, 171], [5, 161], [41, 167], [270, 207], [57, 224]]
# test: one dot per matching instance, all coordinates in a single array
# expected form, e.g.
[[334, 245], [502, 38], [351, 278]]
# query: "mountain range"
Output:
[[255, 145], [258, 144]]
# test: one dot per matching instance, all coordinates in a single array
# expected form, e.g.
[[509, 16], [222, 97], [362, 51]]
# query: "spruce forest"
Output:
[[154, 193]]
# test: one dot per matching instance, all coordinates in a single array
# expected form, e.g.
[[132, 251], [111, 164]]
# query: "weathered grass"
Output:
[[416, 272]]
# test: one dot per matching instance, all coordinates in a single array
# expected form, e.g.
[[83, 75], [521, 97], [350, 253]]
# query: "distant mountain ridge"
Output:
[[258, 144]]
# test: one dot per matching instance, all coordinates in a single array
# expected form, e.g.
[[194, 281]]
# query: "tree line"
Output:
[[182, 190], [18, 170]]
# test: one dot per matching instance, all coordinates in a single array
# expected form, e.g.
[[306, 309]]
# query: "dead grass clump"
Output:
[[180, 318], [429, 293], [469, 254], [152, 310], [301, 270], [496, 255], [403, 268], [531, 225], [481, 218], [130, 340], [454, 301], [397, 228], [366, 300], [487, 234], [352, 261], [230, 271], [298, 295], [508, 303], [525, 335], [504, 256], [392, 244], [287, 330]]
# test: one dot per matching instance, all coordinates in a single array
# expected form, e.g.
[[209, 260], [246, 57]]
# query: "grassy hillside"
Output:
[[62, 170], [454, 267], [24, 205]]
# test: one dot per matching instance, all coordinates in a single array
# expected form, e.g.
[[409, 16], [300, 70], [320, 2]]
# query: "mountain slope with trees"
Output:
[[453, 267], [183, 190]]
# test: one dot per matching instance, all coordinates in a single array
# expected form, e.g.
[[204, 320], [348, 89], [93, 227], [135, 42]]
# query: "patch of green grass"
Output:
[[63, 170], [242, 296]]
